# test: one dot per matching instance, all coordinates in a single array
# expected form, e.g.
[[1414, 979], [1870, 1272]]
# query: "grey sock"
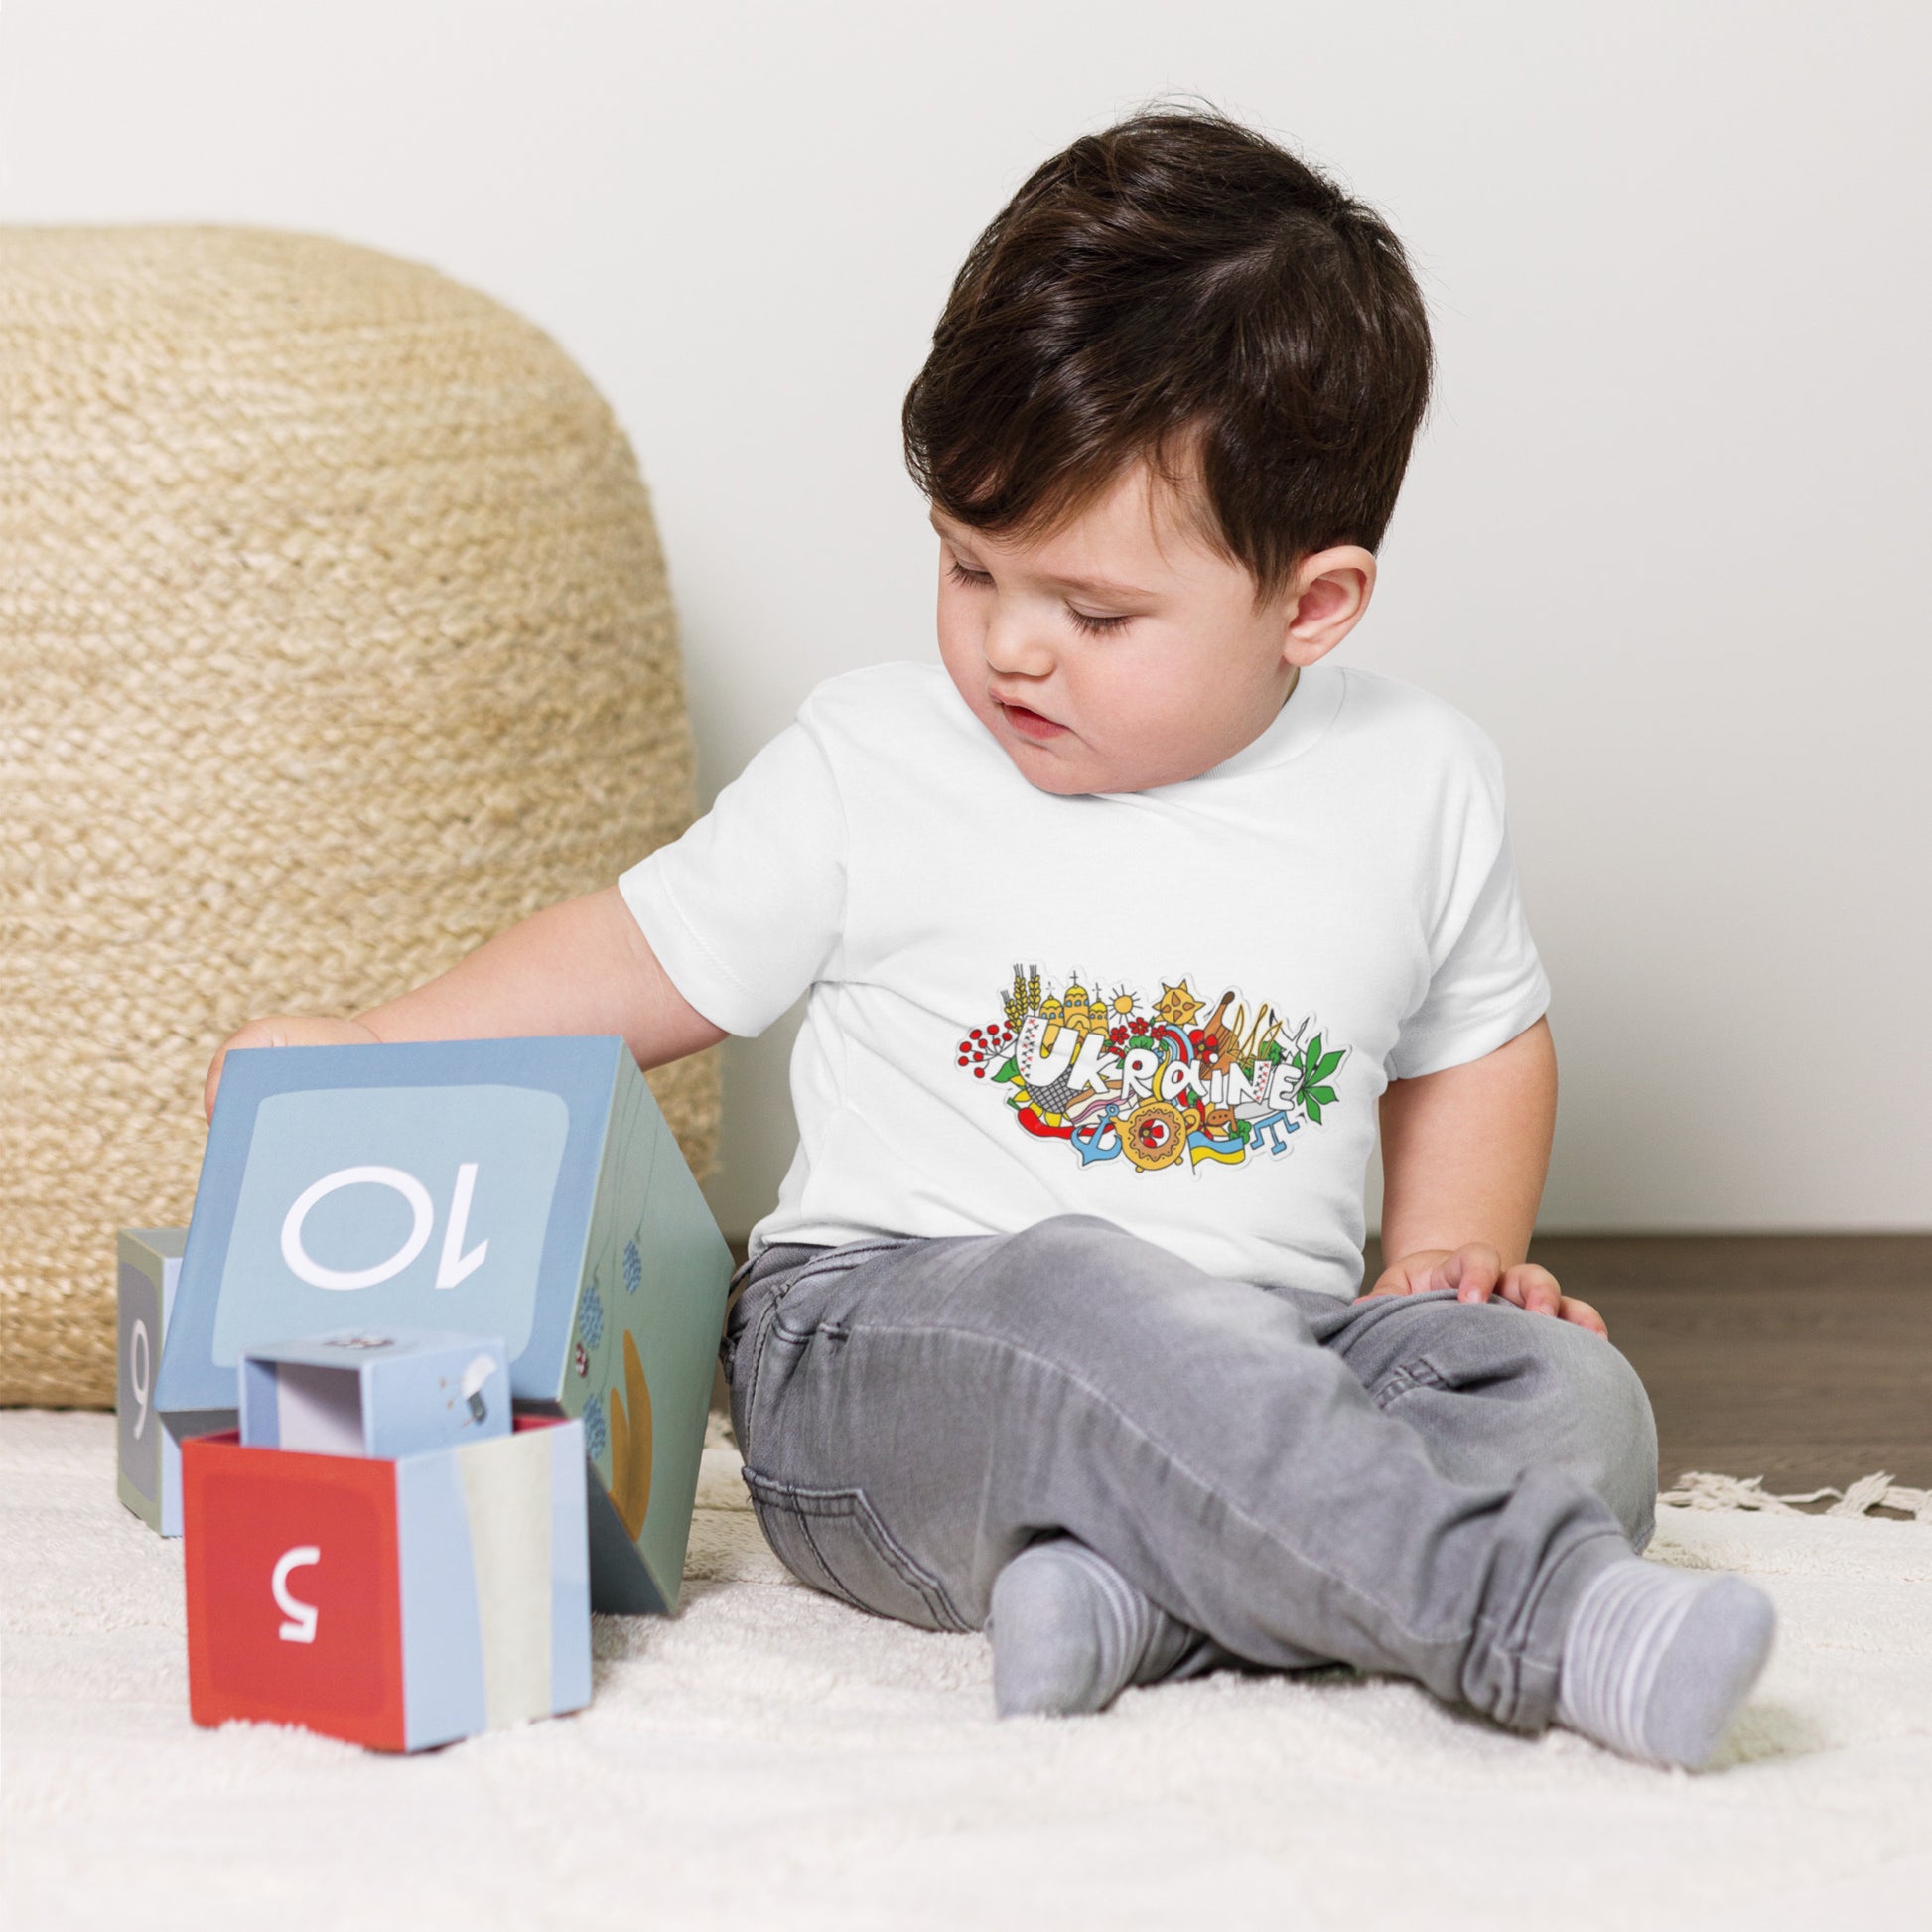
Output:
[[1069, 1632], [1656, 1662]]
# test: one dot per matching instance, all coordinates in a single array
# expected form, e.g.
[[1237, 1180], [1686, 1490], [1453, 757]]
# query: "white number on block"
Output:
[[454, 1266], [139, 1359], [301, 1624]]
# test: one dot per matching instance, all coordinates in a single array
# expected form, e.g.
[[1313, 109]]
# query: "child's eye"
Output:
[[976, 578]]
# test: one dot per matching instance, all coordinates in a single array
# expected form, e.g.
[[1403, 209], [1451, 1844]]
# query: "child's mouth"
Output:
[[1028, 722]]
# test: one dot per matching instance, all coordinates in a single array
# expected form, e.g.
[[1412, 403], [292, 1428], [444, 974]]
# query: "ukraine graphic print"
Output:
[[1116, 1076]]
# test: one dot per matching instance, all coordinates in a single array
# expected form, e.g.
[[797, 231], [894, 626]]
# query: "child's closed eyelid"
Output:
[[1094, 627]]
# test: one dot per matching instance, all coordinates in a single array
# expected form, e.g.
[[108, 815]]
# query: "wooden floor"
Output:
[[1805, 1359]]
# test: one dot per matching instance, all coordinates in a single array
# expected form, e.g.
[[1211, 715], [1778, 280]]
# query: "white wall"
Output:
[[1665, 537]]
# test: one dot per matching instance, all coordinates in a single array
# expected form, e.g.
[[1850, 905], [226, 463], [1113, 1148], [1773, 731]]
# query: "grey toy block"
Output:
[[149, 1481]]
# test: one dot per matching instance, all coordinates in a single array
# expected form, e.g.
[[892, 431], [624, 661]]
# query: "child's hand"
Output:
[[1477, 1273], [285, 1030]]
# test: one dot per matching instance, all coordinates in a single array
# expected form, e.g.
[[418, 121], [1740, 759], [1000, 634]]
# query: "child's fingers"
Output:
[[252, 1034], [1390, 1282], [1472, 1271], [281, 1029], [1583, 1316], [1411, 1275], [1532, 1287]]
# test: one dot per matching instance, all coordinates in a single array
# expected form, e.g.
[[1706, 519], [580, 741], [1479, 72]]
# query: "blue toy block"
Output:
[[527, 1189], [149, 1479], [375, 1395]]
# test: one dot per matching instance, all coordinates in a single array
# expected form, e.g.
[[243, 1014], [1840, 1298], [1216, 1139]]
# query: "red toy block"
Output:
[[274, 1632], [399, 1603]]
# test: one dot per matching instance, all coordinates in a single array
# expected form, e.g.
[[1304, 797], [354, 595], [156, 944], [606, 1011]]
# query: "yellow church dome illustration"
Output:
[[1075, 1012]]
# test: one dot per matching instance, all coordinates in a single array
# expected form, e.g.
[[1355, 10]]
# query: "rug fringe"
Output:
[[1699, 1489]]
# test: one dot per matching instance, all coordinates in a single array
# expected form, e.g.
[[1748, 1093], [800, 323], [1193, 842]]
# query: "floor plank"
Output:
[[1804, 1359]]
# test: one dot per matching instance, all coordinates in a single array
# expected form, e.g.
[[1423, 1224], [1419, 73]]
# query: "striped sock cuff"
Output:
[[1623, 1627]]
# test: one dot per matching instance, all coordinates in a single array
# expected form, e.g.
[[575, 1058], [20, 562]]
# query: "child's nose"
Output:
[[1015, 645]]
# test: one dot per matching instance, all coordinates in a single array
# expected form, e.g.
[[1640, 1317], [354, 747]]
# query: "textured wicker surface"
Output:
[[336, 638]]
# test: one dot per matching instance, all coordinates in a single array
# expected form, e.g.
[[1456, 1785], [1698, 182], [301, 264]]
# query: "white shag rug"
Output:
[[769, 1758]]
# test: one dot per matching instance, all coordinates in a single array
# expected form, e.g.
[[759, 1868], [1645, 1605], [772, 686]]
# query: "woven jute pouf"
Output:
[[334, 638]]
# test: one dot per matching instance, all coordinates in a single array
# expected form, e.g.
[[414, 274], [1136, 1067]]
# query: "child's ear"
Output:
[[1324, 602]]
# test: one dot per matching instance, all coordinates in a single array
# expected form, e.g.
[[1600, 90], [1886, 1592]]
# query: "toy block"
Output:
[[375, 1395], [149, 1478], [525, 1188], [398, 1603]]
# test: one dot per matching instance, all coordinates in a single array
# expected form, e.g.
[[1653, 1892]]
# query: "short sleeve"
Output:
[[745, 911], [1488, 985]]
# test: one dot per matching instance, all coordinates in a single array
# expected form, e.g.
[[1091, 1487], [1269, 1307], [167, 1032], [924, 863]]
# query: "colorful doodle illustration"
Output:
[[616, 1411], [631, 1442], [597, 1436], [1118, 1075]]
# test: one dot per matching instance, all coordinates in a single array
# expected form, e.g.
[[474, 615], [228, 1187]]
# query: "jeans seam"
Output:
[[804, 1501], [1516, 1651], [769, 1322], [831, 1576], [831, 1330], [1404, 1378]]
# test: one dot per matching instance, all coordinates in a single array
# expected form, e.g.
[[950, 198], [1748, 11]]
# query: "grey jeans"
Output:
[[1412, 1484]]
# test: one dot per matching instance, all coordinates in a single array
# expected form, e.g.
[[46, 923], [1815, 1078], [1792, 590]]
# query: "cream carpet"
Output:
[[772, 1759]]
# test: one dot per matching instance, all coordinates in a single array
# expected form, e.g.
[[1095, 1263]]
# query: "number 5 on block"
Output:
[[301, 1624]]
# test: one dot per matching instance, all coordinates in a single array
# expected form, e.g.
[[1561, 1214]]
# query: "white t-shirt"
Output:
[[1175, 1009]]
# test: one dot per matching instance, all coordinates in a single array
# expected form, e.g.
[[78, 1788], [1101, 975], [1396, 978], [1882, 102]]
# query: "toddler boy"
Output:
[[1120, 926]]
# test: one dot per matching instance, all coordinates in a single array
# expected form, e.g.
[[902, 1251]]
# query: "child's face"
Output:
[[1121, 653]]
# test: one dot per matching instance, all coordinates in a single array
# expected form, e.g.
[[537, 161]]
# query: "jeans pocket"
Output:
[[833, 1540]]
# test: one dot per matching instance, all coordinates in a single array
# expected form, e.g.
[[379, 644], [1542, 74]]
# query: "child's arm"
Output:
[[1463, 1156], [582, 967]]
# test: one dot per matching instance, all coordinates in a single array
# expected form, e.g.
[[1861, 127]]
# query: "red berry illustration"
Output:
[[985, 1046]]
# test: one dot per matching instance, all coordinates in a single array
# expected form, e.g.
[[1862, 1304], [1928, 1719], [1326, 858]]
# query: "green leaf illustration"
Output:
[[1328, 1064], [1324, 1096]]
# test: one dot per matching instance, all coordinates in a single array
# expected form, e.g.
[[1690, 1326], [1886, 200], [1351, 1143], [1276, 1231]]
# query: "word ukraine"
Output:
[[1118, 1076]]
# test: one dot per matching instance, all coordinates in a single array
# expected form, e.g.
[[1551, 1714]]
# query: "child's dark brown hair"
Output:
[[1179, 288]]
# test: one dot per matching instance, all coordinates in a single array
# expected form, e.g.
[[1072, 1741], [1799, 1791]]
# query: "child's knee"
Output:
[[1084, 1292], [1547, 1393], [1610, 1425], [1072, 1255]]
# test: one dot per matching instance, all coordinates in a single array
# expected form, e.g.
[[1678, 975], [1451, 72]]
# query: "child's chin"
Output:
[[1061, 777]]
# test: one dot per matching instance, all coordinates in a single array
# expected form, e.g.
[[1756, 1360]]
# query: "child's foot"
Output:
[[1069, 1632], [1657, 1662]]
